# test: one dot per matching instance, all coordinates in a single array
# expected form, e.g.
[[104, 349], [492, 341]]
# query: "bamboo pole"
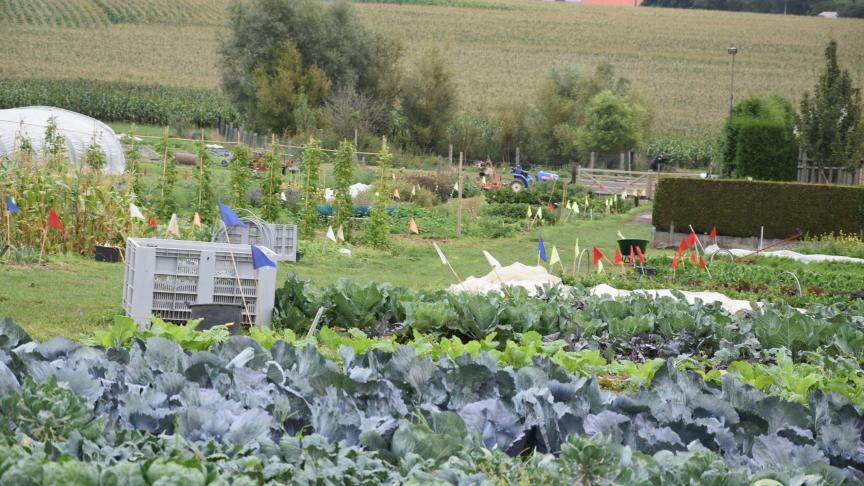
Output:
[[459, 204], [237, 276]]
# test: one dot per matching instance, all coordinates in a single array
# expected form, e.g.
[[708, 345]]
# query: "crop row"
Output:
[[119, 101], [284, 413], [90, 13]]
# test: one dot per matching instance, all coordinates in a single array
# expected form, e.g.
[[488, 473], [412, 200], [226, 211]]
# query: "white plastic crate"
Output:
[[281, 239], [162, 277]]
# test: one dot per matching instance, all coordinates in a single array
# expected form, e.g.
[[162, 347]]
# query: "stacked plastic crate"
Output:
[[163, 277], [279, 238]]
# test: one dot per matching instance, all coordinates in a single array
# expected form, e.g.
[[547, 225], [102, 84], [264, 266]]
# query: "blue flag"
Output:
[[10, 205], [541, 250], [229, 217], [259, 259]]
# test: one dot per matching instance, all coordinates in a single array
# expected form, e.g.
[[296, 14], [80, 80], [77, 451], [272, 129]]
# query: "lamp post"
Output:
[[732, 50]]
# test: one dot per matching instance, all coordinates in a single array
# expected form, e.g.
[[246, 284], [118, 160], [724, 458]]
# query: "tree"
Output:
[[238, 179], [327, 35], [166, 203], [94, 157], [205, 202], [272, 190], [312, 158], [771, 148], [830, 119], [377, 226], [429, 101], [611, 125], [343, 171], [282, 86]]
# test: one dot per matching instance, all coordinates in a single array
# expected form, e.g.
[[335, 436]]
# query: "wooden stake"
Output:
[[459, 204], [237, 276]]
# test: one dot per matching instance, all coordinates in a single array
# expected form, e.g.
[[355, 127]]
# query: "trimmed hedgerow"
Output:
[[740, 207]]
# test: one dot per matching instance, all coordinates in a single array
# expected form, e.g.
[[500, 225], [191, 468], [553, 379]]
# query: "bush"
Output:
[[766, 150], [510, 212], [538, 194], [740, 208], [774, 110], [834, 244]]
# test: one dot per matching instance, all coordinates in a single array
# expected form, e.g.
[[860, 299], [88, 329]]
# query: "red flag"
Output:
[[682, 247], [617, 259], [54, 221], [701, 262], [632, 256], [597, 255], [692, 258], [692, 240], [153, 222], [550, 207], [674, 263], [641, 256], [713, 233]]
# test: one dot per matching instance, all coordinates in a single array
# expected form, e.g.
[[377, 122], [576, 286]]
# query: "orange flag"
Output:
[[597, 255], [54, 221], [641, 256], [412, 227], [692, 258], [632, 256], [196, 220], [701, 262], [674, 263], [396, 194], [550, 207], [617, 259], [153, 222], [713, 233]]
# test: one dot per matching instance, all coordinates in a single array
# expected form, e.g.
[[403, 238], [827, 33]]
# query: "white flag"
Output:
[[330, 235], [575, 207], [174, 226], [599, 267], [339, 234], [620, 236], [440, 253], [282, 196], [134, 212], [492, 261]]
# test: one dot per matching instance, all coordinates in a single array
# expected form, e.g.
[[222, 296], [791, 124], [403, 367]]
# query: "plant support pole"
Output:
[[459, 204], [237, 275]]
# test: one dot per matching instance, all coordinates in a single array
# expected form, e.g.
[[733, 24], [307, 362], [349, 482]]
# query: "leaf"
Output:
[[11, 335]]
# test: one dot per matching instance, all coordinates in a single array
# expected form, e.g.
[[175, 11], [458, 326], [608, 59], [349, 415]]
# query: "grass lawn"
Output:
[[71, 296]]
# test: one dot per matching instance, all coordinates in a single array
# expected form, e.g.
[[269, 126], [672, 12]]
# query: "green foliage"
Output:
[[612, 124], [283, 88], [272, 190], [429, 101], [239, 168], [376, 228], [343, 171], [166, 200], [685, 152], [121, 101], [205, 199], [133, 166], [740, 208], [94, 157], [842, 244], [760, 140], [54, 146], [539, 194], [767, 150], [326, 35], [832, 129], [312, 158]]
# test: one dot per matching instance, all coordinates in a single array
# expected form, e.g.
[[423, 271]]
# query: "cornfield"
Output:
[[117, 101], [90, 13]]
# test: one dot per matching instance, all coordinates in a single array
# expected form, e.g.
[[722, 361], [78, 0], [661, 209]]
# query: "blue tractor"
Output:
[[523, 179]]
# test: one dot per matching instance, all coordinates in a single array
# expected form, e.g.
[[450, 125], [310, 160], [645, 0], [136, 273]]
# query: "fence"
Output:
[[603, 181], [830, 175]]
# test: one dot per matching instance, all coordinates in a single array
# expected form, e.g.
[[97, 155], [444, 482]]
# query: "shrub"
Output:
[[510, 212], [842, 244], [766, 150], [538, 193], [775, 110], [740, 208]]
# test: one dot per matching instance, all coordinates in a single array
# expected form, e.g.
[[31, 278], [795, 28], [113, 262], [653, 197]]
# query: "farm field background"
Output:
[[675, 58]]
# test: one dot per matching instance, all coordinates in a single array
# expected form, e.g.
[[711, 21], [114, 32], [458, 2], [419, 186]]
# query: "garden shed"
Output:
[[77, 130]]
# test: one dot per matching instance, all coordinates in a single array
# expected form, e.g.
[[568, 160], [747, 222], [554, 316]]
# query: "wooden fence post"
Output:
[[459, 203], [593, 160]]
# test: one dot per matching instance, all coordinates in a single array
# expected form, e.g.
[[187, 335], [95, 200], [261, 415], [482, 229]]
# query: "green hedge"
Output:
[[739, 207], [766, 151]]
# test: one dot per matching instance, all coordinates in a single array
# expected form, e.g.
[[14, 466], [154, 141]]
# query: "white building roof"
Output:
[[78, 130]]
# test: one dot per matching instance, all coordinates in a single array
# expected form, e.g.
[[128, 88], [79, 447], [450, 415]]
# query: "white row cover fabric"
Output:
[[792, 255], [78, 131]]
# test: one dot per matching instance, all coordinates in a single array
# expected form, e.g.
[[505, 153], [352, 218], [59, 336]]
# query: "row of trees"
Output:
[[845, 8], [762, 137], [297, 66]]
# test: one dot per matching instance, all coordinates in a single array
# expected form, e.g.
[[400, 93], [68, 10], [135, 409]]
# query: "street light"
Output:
[[732, 50]]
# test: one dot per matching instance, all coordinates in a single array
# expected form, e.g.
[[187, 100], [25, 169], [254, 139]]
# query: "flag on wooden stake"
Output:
[[713, 233], [396, 194], [412, 227], [414, 190], [196, 220], [330, 235], [54, 221], [674, 263], [340, 235], [632, 256], [701, 263], [541, 251], [597, 255], [692, 258], [617, 258], [600, 267], [554, 258], [641, 256], [550, 207], [153, 222], [529, 212], [539, 214], [135, 212], [440, 253]]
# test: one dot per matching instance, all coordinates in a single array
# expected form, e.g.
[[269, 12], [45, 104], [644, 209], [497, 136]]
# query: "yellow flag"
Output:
[[529, 212], [554, 258], [414, 190], [600, 266], [456, 186], [575, 207], [483, 180], [568, 206], [539, 212]]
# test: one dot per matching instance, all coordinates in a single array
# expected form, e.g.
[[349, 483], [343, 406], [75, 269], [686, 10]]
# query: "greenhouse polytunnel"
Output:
[[77, 130]]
